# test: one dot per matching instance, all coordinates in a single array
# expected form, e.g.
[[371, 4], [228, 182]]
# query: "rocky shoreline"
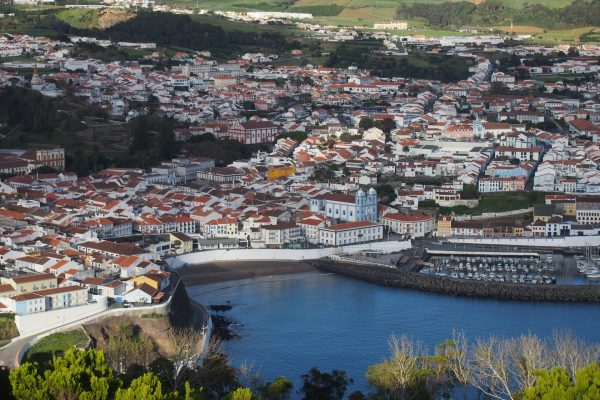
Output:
[[223, 328], [458, 287]]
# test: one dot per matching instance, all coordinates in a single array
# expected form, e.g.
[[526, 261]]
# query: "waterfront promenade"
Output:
[[233, 255]]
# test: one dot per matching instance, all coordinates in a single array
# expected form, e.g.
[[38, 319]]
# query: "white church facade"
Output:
[[347, 208]]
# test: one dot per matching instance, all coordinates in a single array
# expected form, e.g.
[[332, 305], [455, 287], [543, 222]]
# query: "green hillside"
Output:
[[281, 5], [438, 14]]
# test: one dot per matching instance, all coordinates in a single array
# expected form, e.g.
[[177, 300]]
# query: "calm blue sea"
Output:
[[295, 322]]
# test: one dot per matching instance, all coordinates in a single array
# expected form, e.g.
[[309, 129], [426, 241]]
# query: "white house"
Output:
[[416, 225], [350, 233]]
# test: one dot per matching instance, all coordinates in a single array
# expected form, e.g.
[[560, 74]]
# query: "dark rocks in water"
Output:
[[220, 307], [222, 327]]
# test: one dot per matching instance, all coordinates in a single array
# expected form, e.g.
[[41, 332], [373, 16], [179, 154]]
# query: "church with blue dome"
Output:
[[347, 208]]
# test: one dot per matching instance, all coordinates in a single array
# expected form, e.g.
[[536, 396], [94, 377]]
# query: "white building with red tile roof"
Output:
[[350, 233]]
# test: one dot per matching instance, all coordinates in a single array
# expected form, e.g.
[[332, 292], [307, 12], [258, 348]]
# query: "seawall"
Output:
[[458, 287], [224, 255]]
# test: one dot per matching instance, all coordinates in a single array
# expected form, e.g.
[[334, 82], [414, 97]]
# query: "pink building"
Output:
[[458, 132]]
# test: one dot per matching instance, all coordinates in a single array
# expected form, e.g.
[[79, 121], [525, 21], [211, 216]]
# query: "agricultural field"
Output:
[[578, 35]]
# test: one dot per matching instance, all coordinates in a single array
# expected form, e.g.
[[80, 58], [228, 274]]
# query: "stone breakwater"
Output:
[[459, 287]]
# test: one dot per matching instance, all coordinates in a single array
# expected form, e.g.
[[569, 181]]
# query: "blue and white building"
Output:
[[347, 208]]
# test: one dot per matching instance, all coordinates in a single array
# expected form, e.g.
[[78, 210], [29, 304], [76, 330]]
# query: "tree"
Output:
[[241, 394], [129, 346], [386, 193], [141, 136], [557, 384], [317, 385], [456, 351], [184, 347], [44, 169], [248, 105], [279, 389], [166, 145], [146, 387], [357, 396], [469, 191], [76, 375], [397, 377], [215, 375], [366, 123]]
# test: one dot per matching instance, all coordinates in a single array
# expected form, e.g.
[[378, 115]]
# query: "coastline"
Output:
[[238, 270]]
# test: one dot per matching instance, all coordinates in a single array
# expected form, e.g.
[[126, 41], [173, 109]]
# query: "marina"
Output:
[[588, 264], [531, 268]]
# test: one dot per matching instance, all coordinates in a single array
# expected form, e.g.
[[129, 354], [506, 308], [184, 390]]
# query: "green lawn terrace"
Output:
[[57, 344]]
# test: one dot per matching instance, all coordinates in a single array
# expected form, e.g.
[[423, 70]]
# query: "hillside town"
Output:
[[348, 157]]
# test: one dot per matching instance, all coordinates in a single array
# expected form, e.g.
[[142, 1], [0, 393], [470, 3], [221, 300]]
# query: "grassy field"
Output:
[[229, 25], [557, 36], [56, 343], [84, 18], [498, 202], [80, 18]]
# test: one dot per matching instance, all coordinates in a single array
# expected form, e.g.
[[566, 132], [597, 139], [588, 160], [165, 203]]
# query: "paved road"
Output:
[[8, 354]]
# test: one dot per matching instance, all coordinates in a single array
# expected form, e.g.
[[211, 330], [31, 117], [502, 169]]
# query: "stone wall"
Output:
[[491, 215], [458, 287]]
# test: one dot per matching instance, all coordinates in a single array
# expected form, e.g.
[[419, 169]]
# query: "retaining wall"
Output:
[[490, 215], [31, 324]]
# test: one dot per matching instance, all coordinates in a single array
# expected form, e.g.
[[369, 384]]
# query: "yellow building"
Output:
[[158, 280], [569, 208], [148, 280], [444, 226], [31, 282], [280, 172], [181, 242]]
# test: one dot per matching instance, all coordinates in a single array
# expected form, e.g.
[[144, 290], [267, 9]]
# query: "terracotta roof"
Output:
[[408, 218], [33, 278], [351, 225]]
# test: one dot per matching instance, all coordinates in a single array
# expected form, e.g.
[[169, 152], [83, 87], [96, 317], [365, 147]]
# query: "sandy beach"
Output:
[[230, 271]]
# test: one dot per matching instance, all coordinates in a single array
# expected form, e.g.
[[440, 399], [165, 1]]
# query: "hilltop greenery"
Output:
[[181, 31], [419, 65], [448, 14]]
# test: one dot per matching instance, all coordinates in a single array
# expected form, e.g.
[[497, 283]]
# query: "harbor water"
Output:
[[290, 323]]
